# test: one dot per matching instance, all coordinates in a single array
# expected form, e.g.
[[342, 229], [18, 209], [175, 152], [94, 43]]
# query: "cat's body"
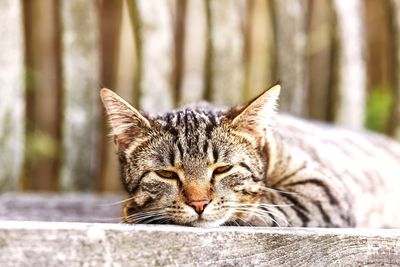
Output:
[[344, 177], [248, 166]]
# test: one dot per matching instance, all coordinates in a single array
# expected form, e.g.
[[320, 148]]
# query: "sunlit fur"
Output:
[[285, 171], [192, 143]]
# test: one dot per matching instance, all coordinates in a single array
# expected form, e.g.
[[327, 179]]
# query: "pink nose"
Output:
[[199, 206]]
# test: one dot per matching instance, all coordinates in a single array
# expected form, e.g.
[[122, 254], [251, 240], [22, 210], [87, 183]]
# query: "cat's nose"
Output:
[[199, 206]]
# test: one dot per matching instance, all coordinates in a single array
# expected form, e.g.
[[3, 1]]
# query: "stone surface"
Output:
[[67, 243], [80, 244], [66, 207]]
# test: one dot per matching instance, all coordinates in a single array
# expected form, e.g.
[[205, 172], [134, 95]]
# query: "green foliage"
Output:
[[7, 174], [40, 145], [379, 104], [29, 78]]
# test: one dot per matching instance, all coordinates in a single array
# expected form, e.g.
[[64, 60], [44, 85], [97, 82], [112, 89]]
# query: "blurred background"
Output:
[[337, 60]]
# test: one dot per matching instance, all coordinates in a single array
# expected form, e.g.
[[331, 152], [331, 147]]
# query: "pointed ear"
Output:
[[256, 116], [126, 122]]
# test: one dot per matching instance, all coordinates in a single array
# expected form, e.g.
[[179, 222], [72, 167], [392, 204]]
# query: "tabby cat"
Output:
[[204, 166]]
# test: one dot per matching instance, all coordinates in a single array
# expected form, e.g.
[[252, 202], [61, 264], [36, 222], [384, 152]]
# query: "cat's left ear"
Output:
[[256, 116]]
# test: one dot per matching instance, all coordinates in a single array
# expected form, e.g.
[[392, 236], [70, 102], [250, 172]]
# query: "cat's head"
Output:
[[194, 166]]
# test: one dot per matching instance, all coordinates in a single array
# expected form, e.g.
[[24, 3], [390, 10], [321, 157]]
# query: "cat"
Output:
[[250, 166]]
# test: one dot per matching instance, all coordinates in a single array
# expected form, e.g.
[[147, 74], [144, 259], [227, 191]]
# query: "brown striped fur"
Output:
[[252, 167]]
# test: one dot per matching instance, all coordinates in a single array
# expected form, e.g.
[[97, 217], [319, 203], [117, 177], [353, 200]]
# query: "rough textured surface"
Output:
[[68, 207], [30, 243], [77, 244]]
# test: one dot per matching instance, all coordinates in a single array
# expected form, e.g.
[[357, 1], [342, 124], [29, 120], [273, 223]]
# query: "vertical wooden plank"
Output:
[[349, 81], [319, 42], [81, 69], [123, 84], [194, 52], [394, 6], [290, 21], [179, 16], [379, 67], [378, 40], [154, 31], [226, 47], [43, 95], [260, 48], [110, 23], [110, 19], [127, 57], [12, 105]]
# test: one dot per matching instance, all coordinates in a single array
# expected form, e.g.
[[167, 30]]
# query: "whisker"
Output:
[[155, 218], [260, 208], [234, 221], [148, 216], [245, 222], [261, 213], [251, 212], [114, 203], [145, 215], [259, 216], [277, 215], [227, 223], [275, 221], [260, 204]]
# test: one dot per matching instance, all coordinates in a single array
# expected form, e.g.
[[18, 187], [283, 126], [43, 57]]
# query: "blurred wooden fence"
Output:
[[328, 55]]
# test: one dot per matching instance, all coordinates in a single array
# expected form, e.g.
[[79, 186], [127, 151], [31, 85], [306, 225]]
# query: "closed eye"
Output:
[[222, 169], [167, 174]]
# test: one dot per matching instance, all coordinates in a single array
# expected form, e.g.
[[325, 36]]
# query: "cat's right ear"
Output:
[[256, 117], [126, 122]]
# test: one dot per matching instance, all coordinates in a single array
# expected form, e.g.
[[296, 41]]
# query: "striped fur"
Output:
[[277, 170]]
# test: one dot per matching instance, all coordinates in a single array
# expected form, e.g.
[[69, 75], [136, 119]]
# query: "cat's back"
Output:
[[311, 135], [368, 165]]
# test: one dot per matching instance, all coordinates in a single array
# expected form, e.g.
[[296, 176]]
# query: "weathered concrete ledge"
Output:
[[26, 242], [62, 207], [82, 244]]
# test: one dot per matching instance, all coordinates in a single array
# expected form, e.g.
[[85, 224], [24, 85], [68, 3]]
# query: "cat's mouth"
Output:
[[212, 216], [208, 220]]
